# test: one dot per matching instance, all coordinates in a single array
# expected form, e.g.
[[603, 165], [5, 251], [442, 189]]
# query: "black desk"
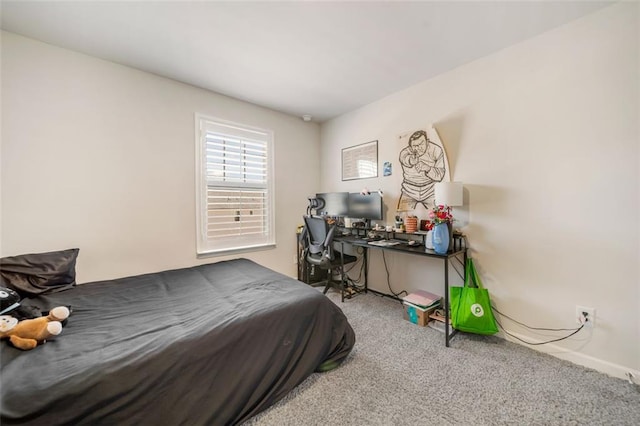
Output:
[[420, 251]]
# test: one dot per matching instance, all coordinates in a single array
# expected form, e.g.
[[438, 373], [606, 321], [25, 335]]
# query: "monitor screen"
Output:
[[365, 206], [335, 203]]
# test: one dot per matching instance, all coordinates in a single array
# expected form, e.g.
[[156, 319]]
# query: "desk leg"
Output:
[[448, 335], [446, 301], [342, 274], [366, 269], [342, 289]]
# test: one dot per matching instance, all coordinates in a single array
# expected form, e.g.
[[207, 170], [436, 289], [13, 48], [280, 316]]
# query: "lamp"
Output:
[[448, 193]]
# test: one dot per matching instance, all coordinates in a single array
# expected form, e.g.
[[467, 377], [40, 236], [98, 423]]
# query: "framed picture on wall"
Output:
[[360, 161]]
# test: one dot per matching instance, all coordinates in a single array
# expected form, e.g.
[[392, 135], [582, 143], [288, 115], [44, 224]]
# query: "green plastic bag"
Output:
[[471, 306]]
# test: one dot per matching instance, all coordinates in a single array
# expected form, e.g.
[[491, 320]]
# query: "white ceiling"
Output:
[[299, 57]]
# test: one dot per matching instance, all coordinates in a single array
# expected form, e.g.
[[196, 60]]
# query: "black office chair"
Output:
[[321, 253]]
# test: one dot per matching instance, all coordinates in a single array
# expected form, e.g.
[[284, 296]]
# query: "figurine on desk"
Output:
[[399, 225]]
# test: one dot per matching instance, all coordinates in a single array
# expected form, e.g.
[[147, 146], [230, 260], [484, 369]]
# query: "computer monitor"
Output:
[[335, 203], [365, 206]]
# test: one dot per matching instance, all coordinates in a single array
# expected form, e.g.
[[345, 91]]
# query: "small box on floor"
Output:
[[417, 315]]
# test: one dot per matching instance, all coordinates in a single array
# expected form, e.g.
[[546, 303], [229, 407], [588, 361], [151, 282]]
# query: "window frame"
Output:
[[206, 246]]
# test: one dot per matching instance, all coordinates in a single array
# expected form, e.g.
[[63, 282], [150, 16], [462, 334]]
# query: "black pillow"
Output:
[[40, 273]]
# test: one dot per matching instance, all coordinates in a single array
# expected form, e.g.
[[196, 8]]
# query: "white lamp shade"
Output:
[[448, 193]]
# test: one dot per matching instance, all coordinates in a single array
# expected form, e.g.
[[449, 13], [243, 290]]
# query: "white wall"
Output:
[[99, 156], [545, 137]]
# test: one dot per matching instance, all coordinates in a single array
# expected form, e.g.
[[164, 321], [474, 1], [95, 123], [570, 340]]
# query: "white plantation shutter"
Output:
[[235, 207]]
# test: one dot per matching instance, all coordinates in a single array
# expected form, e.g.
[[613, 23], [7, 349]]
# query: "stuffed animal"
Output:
[[27, 334], [25, 326]]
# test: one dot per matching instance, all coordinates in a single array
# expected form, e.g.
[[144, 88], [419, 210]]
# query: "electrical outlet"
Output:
[[590, 316]]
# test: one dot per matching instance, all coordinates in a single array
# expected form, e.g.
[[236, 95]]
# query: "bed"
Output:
[[211, 344]]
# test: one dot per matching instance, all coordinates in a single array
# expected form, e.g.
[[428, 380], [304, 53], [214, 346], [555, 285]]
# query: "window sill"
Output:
[[231, 251]]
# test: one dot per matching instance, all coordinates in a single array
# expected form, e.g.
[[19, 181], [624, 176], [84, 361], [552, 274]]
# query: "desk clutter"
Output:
[[341, 228], [387, 236]]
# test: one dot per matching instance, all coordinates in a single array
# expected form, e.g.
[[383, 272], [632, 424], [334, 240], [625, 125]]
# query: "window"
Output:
[[234, 186]]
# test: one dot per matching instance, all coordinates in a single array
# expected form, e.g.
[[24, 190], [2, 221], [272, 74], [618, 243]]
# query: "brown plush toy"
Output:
[[26, 334]]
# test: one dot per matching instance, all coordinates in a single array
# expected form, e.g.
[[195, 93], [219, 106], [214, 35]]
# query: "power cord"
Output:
[[536, 328], [461, 275], [583, 320], [540, 343], [352, 266], [350, 281], [386, 268], [356, 282]]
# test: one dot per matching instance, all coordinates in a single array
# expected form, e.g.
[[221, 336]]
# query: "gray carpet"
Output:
[[402, 374]]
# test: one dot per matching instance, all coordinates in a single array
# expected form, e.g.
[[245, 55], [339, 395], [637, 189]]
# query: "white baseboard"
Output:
[[606, 367]]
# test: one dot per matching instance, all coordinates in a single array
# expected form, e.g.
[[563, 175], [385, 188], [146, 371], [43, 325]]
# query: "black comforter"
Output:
[[212, 344]]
